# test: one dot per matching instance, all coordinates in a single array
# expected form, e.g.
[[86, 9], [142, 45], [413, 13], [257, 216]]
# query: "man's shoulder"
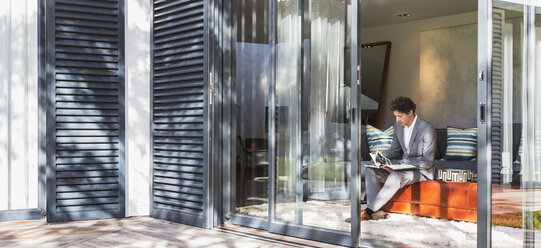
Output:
[[425, 125]]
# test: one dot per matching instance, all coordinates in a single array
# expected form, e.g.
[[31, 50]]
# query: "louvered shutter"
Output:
[[497, 94], [85, 112], [179, 112]]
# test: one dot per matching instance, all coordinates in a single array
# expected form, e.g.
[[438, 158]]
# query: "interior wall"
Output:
[[18, 104], [138, 17], [404, 72]]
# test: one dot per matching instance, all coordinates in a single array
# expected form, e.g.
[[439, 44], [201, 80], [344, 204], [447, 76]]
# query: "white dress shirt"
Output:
[[407, 134]]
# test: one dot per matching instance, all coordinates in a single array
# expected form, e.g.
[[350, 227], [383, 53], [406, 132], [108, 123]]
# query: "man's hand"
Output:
[[387, 169]]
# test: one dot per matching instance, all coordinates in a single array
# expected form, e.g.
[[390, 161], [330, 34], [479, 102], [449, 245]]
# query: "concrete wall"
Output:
[[404, 76], [138, 19], [18, 104]]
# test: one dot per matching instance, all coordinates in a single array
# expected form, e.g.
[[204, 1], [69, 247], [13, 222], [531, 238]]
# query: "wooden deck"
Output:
[[138, 232]]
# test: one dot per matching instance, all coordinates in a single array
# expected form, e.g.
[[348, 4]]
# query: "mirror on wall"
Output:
[[374, 64]]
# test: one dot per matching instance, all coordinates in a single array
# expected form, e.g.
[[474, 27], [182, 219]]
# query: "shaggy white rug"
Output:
[[413, 231]]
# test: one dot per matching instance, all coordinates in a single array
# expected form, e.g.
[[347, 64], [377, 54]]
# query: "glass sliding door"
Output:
[[292, 118], [250, 90], [313, 106], [516, 199]]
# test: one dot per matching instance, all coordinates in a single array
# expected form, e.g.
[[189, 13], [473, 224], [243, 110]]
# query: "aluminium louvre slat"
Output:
[[88, 167], [180, 162], [180, 21], [87, 91], [174, 195], [76, 51], [87, 65], [179, 168], [178, 141], [170, 41], [97, 12], [87, 44], [87, 120], [87, 78], [86, 37], [165, 109], [86, 85], [187, 177], [169, 183], [174, 67], [184, 211], [86, 187], [178, 155], [165, 17], [83, 202], [158, 87], [178, 31], [180, 79], [85, 23], [179, 203], [87, 174], [89, 208], [191, 39], [178, 189], [194, 55], [179, 92], [87, 140], [88, 31], [165, 9], [179, 72], [92, 111], [85, 16], [86, 57], [87, 195], [97, 4], [184, 99]]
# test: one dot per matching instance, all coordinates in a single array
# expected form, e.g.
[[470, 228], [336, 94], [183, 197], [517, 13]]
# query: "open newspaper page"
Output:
[[379, 160]]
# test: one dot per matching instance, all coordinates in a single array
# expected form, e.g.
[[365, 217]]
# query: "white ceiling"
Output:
[[383, 12]]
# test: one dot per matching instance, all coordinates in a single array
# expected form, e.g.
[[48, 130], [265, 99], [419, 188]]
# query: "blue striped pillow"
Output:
[[379, 141], [461, 144]]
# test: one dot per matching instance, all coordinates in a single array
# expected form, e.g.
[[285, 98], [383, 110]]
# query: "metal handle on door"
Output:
[[482, 112]]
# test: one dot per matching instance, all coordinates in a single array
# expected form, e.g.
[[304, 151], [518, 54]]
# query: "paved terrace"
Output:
[[138, 232]]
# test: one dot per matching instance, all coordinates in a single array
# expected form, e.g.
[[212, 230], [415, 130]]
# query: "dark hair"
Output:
[[403, 105]]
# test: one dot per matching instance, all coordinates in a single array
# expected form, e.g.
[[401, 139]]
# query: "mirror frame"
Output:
[[383, 77]]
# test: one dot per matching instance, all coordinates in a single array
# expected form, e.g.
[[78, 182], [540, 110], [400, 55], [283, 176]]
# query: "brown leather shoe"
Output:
[[380, 215], [364, 216]]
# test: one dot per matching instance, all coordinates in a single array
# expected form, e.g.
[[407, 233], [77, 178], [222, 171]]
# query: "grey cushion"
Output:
[[441, 142], [460, 165]]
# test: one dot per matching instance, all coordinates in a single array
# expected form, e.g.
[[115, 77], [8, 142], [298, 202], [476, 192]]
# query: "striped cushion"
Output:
[[379, 141], [461, 144]]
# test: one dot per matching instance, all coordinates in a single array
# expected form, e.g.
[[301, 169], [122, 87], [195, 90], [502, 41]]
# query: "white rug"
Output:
[[410, 230]]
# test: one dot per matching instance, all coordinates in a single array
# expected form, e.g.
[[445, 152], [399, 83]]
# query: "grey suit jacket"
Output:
[[422, 146]]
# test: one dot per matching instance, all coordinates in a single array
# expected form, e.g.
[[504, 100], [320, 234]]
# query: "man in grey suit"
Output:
[[414, 142]]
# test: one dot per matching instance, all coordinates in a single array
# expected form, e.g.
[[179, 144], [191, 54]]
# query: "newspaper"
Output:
[[379, 161]]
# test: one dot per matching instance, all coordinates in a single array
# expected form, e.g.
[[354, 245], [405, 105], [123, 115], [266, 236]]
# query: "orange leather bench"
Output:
[[448, 200]]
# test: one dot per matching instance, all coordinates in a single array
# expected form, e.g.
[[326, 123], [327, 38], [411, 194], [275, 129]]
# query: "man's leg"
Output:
[[372, 178], [394, 182]]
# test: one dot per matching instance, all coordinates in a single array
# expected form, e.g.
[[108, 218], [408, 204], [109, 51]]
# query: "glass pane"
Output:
[[516, 210], [433, 62], [249, 108], [312, 125]]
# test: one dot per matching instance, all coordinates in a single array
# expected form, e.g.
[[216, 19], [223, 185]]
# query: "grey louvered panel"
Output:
[[497, 96], [85, 48], [179, 111]]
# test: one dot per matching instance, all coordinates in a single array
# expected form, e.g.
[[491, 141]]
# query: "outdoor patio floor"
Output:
[[138, 232]]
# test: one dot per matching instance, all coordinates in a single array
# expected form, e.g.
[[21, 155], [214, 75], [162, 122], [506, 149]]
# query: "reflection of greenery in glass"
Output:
[[514, 219], [327, 170]]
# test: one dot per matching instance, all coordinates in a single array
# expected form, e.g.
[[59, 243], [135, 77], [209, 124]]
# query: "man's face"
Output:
[[405, 119]]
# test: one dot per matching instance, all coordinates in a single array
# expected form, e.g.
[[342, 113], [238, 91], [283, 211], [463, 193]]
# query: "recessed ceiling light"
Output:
[[403, 15]]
